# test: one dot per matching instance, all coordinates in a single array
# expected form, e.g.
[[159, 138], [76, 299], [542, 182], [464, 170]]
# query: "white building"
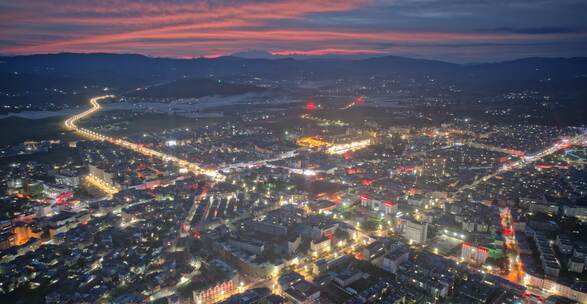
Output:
[[475, 254], [394, 258], [413, 231]]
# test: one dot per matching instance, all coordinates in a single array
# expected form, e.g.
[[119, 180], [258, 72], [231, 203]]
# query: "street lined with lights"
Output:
[[71, 123]]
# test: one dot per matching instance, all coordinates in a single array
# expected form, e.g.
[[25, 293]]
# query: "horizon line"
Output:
[[295, 56]]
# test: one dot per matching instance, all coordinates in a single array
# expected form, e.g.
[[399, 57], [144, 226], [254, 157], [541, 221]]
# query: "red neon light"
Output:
[[563, 145], [360, 100], [336, 198], [61, 198], [407, 168], [390, 203], [185, 227], [517, 152], [526, 294], [364, 197], [351, 171], [543, 166], [311, 105], [366, 182]]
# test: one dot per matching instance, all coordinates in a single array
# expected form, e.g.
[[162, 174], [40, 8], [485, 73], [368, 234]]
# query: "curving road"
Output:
[[71, 124]]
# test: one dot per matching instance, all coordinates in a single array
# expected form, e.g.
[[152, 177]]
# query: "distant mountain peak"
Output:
[[254, 54]]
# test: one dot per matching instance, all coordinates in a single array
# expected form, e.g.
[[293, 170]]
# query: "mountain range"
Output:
[[68, 71]]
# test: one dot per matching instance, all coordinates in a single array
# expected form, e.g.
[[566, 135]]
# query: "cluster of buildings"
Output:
[[319, 210]]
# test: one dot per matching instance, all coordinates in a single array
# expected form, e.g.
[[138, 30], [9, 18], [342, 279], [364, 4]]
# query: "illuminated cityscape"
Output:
[[263, 152]]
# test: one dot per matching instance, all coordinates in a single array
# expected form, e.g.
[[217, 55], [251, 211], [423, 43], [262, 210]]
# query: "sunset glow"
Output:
[[288, 28]]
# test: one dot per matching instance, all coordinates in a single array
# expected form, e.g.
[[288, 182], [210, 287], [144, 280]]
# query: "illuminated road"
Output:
[[528, 159], [258, 163], [101, 185], [71, 124], [516, 270], [494, 148]]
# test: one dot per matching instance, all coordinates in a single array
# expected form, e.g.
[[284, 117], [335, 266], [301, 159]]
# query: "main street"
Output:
[[528, 159], [71, 124]]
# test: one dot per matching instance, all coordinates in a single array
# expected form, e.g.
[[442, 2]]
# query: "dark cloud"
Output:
[[533, 30]]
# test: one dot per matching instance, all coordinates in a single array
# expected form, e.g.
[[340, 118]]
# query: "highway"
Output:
[[71, 124]]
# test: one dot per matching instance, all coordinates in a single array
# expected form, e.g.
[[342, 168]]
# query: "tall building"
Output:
[[414, 231]]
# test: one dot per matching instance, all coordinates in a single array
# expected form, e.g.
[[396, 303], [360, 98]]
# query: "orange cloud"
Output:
[[185, 29], [119, 20], [329, 51]]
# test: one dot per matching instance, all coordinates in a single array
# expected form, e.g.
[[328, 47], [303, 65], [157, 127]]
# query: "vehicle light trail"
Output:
[[71, 124]]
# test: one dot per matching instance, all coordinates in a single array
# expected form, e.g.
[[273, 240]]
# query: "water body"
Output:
[[179, 106], [34, 115]]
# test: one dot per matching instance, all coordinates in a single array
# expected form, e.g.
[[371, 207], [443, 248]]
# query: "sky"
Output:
[[452, 30]]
